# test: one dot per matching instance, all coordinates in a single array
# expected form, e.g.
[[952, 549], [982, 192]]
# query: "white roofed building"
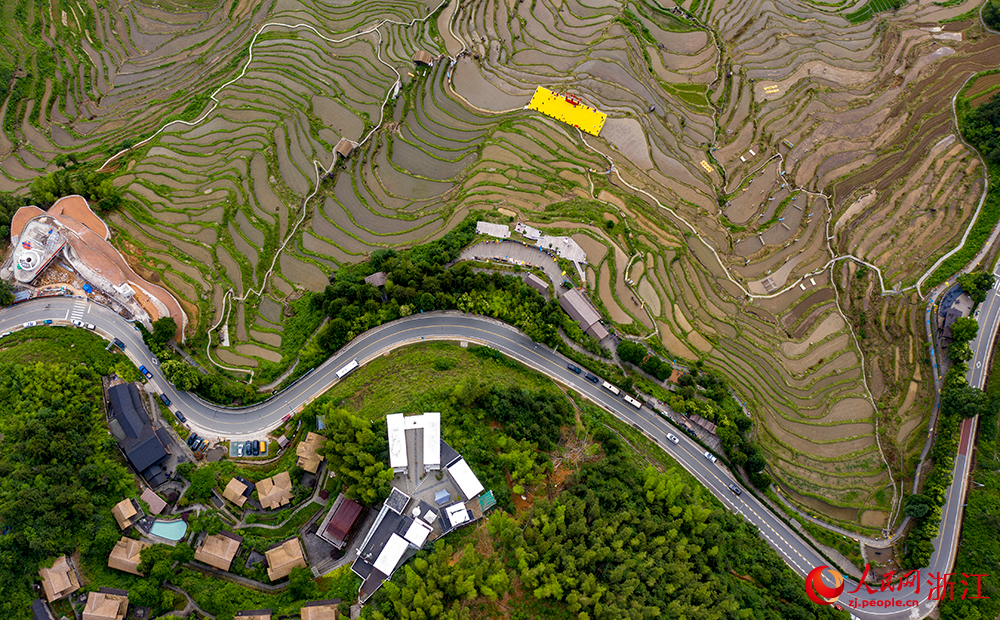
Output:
[[428, 428], [467, 481]]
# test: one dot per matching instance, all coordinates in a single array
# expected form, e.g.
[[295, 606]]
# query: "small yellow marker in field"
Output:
[[771, 90], [704, 164]]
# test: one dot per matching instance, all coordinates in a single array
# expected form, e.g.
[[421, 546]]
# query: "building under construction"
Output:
[[568, 109]]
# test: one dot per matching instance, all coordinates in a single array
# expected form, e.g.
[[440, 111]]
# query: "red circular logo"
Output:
[[820, 593]]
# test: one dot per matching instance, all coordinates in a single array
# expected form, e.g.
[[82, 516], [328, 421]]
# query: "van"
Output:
[[166, 401]]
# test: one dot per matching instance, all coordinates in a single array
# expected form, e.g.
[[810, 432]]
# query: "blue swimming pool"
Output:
[[171, 530]]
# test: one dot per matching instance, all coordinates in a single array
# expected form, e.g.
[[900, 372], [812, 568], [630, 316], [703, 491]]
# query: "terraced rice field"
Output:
[[752, 144]]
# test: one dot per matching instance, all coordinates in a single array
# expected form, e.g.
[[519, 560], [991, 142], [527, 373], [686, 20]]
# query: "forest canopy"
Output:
[[58, 475]]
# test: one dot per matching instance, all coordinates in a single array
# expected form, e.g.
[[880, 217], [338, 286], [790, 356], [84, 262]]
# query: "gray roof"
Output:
[[598, 331], [135, 433], [576, 304], [377, 279], [448, 454], [537, 283]]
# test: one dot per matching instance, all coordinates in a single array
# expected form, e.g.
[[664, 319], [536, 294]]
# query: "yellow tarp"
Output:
[[578, 115]]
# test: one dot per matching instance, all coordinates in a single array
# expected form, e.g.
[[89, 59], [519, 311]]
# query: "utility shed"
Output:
[[422, 57], [344, 148]]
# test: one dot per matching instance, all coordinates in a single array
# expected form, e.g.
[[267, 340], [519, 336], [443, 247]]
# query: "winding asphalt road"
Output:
[[243, 423]]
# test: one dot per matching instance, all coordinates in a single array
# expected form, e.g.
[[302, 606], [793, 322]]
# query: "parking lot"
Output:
[[235, 452]]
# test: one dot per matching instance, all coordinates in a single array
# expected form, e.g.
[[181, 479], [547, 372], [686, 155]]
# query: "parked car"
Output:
[[4, 334], [146, 372], [47, 321], [735, 489], [256, 447], [193, 437], [30, 324], [77, 323], [166, 401], [287, 417], [592, 378], [180, 416], [239, 449], [90, 326], [573, 368], [203, 445], [711, 457], [247, 448], [118, 343], [673, 438], [263, 446]]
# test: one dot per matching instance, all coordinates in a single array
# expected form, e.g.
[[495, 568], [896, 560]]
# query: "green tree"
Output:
[[631, 352], [301, 586], [203, 480], [127, 371], [917, 505], [164, 330], [960, 351], [6, 293], [964, 329], [357, 454], [965, 401], [185, 376]]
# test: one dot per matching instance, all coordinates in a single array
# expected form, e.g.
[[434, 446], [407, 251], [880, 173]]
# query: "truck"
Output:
[[347, 369]]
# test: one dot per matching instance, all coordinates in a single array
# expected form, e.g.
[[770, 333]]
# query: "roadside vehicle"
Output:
[[77, 323], [193, 437], [263, 446], [287, 417], [30, 324], [180, 416], [166, 401], [47, 322], [118, 343], [256, 447], [247, 448], [202, 445], [673, 438], [711, 457], [573, 368], [146, 372], [5, 334], [90, 326]]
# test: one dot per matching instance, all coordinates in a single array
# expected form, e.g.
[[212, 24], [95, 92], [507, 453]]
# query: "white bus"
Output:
[[611, 388], [346, 370], [633, 402]]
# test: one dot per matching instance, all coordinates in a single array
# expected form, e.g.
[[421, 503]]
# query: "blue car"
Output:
[[166, 401], [47, 321], [573, 368]]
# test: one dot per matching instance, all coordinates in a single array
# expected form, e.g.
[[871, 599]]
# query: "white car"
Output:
[[30, 324], [90, 326], [5, 334], [239, 449], [78, 323], [671, 437], [711, 457]]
